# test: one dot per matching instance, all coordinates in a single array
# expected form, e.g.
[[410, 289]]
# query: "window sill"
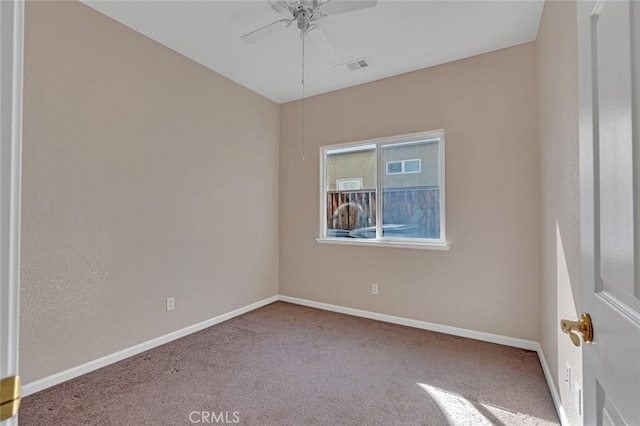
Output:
[[379, 243]]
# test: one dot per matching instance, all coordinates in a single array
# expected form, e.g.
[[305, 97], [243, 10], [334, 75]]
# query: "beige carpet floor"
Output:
[[290, 365]]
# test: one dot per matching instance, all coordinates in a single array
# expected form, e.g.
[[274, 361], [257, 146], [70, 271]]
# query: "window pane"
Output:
[[412, 166], [411, 204], [394, 167], [351, 192]]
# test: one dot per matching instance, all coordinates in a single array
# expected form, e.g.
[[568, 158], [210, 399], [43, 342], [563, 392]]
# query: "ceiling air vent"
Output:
[[356, 64]]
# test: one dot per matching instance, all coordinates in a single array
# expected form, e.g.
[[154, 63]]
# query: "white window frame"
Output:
[[403, 169], [380, 240]]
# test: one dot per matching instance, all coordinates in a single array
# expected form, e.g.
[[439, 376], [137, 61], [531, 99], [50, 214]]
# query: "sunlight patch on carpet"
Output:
[[462, 411], [457, 409]]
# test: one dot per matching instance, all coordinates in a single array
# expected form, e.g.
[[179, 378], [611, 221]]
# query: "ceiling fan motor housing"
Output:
[[303, 15]]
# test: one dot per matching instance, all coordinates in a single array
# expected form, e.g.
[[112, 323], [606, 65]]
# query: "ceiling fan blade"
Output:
[[283, 7], [265, 31], [319, 42], [335, 7]]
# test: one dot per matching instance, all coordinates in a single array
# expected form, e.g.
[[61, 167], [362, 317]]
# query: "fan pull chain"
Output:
[[304, 36]]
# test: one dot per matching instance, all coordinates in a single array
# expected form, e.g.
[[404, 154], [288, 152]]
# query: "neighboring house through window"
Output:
[[408, 172]]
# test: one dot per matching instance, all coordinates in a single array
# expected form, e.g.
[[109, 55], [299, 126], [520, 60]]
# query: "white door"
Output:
[[11, 36], [609, 97]]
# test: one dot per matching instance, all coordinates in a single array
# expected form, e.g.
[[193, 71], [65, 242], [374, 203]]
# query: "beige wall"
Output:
[[488, 281], [559, 204], [146, 176]]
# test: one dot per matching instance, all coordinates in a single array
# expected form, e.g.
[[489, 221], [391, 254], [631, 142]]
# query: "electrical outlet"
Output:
[[374, 288], [567, 377], [171, 305]]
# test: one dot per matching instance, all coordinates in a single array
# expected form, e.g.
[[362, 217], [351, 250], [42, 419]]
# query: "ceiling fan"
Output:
[[306, 13]]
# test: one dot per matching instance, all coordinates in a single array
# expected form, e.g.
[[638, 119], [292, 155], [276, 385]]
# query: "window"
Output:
[[399, 198], [412, 166], [394, 167], [349, 184], [404, 166]]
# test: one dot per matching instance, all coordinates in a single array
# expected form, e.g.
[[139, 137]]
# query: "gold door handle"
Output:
[[584, 327], [9, 397]]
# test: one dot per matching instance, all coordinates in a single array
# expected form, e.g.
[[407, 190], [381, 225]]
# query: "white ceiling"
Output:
[[396, 37]]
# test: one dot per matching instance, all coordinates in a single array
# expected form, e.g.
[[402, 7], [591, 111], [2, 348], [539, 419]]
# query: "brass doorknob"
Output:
[[9, 397], [584, 327]]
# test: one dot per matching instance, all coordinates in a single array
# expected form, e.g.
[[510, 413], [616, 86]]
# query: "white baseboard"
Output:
[[555, 395], [63, 376], [424, 325]]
